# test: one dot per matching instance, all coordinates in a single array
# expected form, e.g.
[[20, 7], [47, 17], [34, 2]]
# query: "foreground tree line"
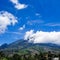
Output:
[[40, 56]]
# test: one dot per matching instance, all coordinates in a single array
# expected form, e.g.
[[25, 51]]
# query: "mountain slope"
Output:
[[21, 45]]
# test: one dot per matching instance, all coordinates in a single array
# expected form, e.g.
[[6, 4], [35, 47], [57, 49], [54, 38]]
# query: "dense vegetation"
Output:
[[41, 56], [23, 50]]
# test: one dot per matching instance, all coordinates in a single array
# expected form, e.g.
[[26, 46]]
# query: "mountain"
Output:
[[24, 45], [5, 45]]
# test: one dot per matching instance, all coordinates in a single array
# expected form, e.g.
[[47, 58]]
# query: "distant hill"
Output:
[[21, 45]]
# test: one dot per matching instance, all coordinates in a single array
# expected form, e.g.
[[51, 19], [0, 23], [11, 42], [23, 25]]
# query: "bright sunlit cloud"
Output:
[[43, 37], [18, 5], [6, 19]]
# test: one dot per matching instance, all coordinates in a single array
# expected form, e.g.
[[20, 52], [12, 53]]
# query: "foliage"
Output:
[[41, 56]]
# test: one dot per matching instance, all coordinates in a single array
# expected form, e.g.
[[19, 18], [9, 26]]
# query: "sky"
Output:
[[30, 19]]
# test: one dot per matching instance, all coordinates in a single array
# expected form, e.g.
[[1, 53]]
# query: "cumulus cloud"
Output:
[[18, 5], [21, 28], [42, 37], [6, 19]]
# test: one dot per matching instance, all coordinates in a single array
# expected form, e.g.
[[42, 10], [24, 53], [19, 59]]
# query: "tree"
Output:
[[2, 54], [16, 57]]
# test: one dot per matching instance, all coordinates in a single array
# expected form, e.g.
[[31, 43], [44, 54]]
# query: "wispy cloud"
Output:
[[37, 14], [18, 5], [6, 19], [31, 22], [43, 37], [17, 33], [52, 24]]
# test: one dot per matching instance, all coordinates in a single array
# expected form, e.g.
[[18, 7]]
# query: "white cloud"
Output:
[[18, 5], [6, 19], [43, 37], [21, 28]]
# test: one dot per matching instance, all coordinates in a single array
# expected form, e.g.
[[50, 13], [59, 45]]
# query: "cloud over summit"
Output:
[[43, 37]]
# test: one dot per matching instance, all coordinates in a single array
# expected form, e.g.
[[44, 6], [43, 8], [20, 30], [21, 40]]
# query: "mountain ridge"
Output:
[[25, 45]]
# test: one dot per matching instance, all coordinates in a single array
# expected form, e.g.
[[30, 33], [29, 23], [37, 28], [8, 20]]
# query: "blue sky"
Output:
[[37, 15]]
